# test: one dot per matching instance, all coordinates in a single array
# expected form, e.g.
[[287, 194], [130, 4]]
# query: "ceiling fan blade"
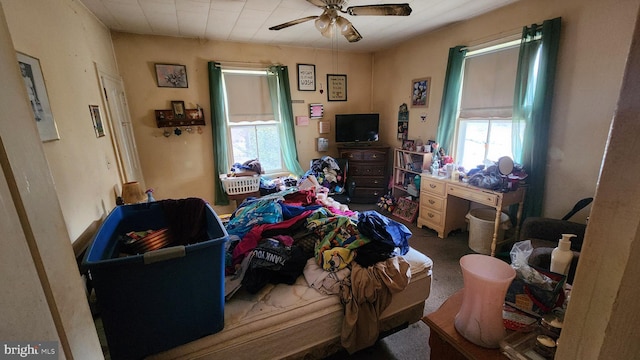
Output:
[[318, 3], [292, 22], [352, 34], [383, 9]]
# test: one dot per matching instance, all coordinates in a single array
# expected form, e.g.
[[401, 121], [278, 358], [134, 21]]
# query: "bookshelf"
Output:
[[406, 165]]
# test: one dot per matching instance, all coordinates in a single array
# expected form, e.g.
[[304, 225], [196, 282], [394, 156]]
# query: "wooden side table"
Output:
[[446, 342]]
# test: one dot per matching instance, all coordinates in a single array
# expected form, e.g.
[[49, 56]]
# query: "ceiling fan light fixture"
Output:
[[343, 24], [328, 32], [323, 22]]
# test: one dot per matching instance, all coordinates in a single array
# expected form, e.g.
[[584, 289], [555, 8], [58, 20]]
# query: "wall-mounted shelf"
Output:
[[167, 118]]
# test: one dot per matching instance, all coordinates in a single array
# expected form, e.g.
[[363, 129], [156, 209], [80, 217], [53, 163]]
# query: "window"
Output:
[[252, 126], [484, 126]]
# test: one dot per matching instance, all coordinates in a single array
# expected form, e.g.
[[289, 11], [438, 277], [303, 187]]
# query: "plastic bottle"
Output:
[[562, 255]]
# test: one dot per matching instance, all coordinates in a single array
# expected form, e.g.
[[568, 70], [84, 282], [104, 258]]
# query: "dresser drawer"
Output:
[[474, 195], [367, 181], [366, 195], [374, 155], [362, 169], [433, 186], [429, 201], [351, 155]]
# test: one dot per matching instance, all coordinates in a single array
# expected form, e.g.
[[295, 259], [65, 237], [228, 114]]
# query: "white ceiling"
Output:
[[249, 20]]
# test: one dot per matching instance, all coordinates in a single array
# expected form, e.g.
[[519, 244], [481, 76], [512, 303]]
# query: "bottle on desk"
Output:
[[562, 255]]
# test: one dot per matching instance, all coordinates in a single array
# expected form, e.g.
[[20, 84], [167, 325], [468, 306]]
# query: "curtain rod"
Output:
[[245, 64], [512, 35]]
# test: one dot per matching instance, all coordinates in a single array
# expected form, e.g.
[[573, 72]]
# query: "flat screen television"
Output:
[[352, 128]]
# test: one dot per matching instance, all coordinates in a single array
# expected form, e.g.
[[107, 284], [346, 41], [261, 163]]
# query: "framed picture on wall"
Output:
[[306, 77], [178, 109], [96, 119], [38, 98], [336, 87], [172, 75], [420, 92]]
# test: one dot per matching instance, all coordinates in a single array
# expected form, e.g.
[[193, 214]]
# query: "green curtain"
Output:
[[532, 106], [218, 130], [278, 78], [451, 98]]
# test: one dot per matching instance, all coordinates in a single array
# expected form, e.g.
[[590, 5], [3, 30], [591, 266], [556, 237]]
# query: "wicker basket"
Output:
[[240, 184]]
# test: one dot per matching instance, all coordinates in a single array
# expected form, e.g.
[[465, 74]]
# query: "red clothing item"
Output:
[[301, 198], [251, 239]]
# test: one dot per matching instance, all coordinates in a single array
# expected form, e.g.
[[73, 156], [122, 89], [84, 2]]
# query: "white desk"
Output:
[[444, 205]]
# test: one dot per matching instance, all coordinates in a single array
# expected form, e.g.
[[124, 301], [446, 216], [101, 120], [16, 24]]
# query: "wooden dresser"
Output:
[[368, 168]]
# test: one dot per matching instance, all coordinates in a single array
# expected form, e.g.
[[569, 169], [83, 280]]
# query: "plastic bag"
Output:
[[535, 291], [520, 253]]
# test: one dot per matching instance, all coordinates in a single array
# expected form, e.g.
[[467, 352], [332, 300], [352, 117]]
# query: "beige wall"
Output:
[[180, 166], [69, 41], [43, 297], [593, 50]]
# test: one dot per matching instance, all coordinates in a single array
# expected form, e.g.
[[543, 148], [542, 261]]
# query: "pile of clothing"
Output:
[[247, 168], [327, 173], [357, 255]]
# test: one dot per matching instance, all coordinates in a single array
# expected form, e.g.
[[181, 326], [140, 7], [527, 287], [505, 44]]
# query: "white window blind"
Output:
[[248, 97], [488, 85]]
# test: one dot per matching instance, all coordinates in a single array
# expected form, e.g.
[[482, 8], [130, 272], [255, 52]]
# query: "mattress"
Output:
[[289, 321]]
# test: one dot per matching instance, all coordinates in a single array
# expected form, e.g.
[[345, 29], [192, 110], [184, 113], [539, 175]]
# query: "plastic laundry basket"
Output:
[[481, 225]]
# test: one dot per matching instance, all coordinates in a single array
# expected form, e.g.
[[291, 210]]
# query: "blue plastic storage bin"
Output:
[[155, 301]]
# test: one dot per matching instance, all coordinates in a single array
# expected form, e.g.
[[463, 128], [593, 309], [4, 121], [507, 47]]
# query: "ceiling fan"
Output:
[[329, 17]]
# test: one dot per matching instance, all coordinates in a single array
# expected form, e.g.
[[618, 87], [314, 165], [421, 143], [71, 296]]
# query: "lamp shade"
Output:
[[343, 24], [322, 22], [132, 193]]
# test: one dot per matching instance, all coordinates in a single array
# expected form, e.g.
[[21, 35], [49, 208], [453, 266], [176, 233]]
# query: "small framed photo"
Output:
[[172, 75], [420, 92], [409, 145], [336, 87], [316, 111], [178, 109], [306, 77], [96, 119]]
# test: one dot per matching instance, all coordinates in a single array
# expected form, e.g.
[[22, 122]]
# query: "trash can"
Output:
[[481, 225], [153, 301]]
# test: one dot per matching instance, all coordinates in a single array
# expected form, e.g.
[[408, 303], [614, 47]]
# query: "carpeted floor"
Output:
[[413, 342]]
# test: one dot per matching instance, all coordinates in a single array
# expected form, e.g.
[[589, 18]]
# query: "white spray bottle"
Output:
[[562, 255]]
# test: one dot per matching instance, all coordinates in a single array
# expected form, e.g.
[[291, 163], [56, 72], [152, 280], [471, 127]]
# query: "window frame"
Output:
[[456, 151], [229, 125]]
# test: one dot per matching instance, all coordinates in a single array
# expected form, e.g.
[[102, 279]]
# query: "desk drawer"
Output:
[[432, 186], [473, 195], [431, 202], [431, 217]]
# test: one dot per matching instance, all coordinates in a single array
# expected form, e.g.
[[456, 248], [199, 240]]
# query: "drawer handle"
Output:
[[431, 202], [374, 156], [432, 186], [375, 182], [430, 215]]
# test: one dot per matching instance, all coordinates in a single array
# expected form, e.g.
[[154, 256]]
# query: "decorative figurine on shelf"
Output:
[[200, 112], [177, 131], [150, 197]]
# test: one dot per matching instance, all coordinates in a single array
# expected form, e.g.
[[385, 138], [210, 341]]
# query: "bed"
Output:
[[291, 321]]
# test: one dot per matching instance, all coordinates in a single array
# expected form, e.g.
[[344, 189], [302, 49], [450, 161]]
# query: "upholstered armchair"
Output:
[[544, 234]]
